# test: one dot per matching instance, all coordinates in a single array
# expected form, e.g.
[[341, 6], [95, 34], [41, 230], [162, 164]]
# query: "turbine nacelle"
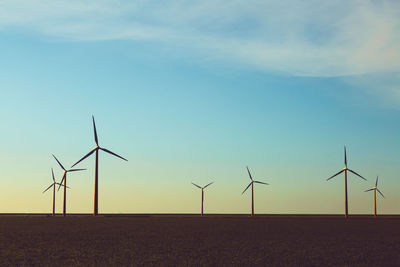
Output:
[[252, 181], [54, 182], [345, 169], [65, 172], [375, 188], [97, 147], [202, 188]]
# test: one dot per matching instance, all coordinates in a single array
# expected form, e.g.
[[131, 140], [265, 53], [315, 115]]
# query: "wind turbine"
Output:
[[252, 190], [375, 188], [54, 190], [65, 183], [96, 149], [345, 170], [202, 194]]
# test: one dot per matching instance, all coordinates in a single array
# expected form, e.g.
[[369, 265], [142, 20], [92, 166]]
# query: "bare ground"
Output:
[[188, 240]]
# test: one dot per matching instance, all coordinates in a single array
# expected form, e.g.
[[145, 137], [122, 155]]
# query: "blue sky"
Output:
[[194, 92]]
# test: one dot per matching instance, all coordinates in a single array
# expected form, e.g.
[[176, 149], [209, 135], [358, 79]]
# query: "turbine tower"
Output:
[[54, 191], [375, 188], [202, 194], [96, 172], [252, 190], [64, 179], [345, 170]]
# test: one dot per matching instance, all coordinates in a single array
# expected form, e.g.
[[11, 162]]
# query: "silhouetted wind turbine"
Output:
[[345, 169], [375, 188], [65, 183], [202, 194], [54, 190], [252, 190], [96, 149]]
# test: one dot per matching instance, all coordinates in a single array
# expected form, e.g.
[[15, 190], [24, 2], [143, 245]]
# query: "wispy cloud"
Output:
[[311, 38]]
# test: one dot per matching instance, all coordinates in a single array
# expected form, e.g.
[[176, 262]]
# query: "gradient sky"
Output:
[[193, 92]]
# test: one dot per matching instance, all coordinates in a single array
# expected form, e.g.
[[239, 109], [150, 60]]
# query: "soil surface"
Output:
[[191, 240]]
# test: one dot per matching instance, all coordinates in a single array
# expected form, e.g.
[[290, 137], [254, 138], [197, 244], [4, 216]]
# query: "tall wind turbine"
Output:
[[252, 190], [65, 183], [202, 194], [54, 191], [96, 172], [345, 170], [375, 188]]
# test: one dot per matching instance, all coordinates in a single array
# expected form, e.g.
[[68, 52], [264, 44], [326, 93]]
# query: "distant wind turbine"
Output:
[[64, 179], [54, 191], [202, 194], [375, 188], [345, 170], [252, 190], [96, 149]]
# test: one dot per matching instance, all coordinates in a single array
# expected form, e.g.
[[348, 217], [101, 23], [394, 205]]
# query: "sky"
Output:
[[193, 91]]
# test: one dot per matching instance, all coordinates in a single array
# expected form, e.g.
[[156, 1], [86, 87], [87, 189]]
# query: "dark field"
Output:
[[170, 240]]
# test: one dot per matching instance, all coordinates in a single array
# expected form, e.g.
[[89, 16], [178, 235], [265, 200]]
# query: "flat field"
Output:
[[190, 240]]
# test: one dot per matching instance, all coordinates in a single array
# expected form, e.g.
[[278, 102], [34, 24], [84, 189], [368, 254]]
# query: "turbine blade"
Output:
[[376, 183], [87, 155], [48, 188], [62, 167], [63, 185], [95, 132], [369, 190], [380, 192], [196, 185], [251, 178], [335, 175], [247, 188], [356, 174], [208, 184], [345, 156], [52, 173], [112, 153], [75, 170], [62, 181], [258, 182]]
